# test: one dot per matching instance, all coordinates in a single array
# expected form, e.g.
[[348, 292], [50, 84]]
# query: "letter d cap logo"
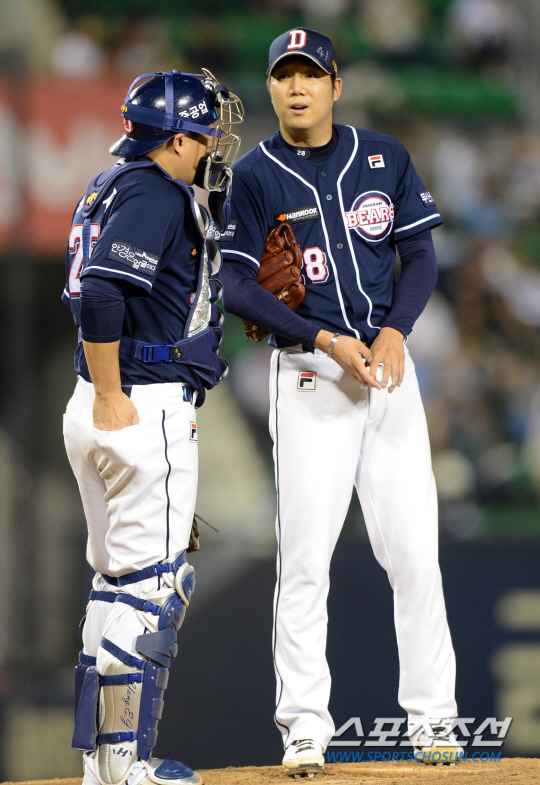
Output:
[[307, 43]]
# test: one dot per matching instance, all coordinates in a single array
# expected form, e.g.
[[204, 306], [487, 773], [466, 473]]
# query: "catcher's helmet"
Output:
[[168, 103]]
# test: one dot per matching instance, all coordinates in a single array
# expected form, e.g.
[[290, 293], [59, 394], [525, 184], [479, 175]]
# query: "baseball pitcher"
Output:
[[345, 405]]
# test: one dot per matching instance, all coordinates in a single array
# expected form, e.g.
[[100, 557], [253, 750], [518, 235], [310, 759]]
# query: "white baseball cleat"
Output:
[[437, 745], [304, 757]]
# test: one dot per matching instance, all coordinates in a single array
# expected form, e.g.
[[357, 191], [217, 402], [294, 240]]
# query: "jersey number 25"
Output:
[[75, 246], [315, 264]]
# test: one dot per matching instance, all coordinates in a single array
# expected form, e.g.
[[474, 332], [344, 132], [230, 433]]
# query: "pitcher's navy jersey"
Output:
[[347, 214], [144, 233]]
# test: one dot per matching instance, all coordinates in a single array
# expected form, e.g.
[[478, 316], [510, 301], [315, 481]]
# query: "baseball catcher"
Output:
[[142, 289]]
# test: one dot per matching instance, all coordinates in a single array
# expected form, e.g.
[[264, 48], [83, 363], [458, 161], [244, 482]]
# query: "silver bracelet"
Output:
[[332, 346]]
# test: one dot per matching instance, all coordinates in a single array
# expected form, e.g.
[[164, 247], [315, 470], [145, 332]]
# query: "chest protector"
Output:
[[198, 346]]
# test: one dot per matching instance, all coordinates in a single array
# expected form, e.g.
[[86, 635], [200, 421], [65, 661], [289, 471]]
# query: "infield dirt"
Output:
[[511, 771]]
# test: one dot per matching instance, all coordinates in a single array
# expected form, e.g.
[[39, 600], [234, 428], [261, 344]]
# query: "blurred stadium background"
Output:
[[458, 82]]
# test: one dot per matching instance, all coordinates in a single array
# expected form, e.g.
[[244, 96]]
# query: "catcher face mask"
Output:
[[214, 169]]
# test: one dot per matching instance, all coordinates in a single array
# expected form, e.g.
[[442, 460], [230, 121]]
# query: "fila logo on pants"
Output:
[[307, 382], [193, 432]]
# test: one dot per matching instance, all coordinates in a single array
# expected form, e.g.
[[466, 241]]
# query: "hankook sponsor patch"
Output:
[[296, 216], [126, 253]]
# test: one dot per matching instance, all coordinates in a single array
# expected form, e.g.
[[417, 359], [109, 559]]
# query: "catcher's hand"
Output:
[[280, 273], [195, 536]]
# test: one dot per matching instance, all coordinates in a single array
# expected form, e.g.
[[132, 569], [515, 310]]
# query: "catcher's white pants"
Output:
[[138, 486], [329, 435]]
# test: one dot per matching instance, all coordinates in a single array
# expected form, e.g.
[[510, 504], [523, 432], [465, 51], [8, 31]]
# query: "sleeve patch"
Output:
[[128, 254], [296, 216], [226, 236], [426, 198]]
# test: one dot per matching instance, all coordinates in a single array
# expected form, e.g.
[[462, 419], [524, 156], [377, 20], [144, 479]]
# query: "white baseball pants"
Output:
[[327, 440], [138, 486]]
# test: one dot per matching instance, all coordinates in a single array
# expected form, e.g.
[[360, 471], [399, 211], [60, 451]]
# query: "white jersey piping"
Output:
[[239, 253], [347, 231], [423, 220], [119, 272], [311, 187]]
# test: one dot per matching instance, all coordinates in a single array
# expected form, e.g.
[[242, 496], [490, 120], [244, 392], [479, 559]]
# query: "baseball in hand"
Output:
[[379, 375]]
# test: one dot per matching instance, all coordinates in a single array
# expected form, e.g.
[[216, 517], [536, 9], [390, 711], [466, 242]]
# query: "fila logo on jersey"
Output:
[[307, 382], [301, 214], [193, 432], [376, 161], [371, 216]]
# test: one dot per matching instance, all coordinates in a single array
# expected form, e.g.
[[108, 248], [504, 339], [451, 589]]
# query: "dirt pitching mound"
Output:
[[510, 771]]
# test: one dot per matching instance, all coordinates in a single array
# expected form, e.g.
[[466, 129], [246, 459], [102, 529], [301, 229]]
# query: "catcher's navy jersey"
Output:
[[144, 233], [347, 214]]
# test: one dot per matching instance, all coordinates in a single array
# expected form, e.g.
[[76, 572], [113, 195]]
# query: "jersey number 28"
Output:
[[315, 264], [75, 245]]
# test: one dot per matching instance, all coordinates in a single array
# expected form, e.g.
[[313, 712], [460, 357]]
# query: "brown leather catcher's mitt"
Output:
[[280, 273]]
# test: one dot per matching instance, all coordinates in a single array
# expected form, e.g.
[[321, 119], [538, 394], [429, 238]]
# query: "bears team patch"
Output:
[[371, 216], [193, 432], [307, 381], [376, 161]]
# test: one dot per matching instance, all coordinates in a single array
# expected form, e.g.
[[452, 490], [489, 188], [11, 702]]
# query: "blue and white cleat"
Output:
[[168, 772], [154, 771]]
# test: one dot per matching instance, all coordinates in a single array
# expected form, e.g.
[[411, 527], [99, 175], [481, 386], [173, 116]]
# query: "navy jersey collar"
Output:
[[314, 155], [277, 146]]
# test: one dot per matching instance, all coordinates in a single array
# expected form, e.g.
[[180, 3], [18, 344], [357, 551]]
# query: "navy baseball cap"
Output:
[[307, 43]]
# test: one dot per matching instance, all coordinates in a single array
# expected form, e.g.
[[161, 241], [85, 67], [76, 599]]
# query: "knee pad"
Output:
[[167, 606]]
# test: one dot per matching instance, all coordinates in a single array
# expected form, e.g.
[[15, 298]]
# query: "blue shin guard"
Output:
[[87, 688], [132, 687]]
